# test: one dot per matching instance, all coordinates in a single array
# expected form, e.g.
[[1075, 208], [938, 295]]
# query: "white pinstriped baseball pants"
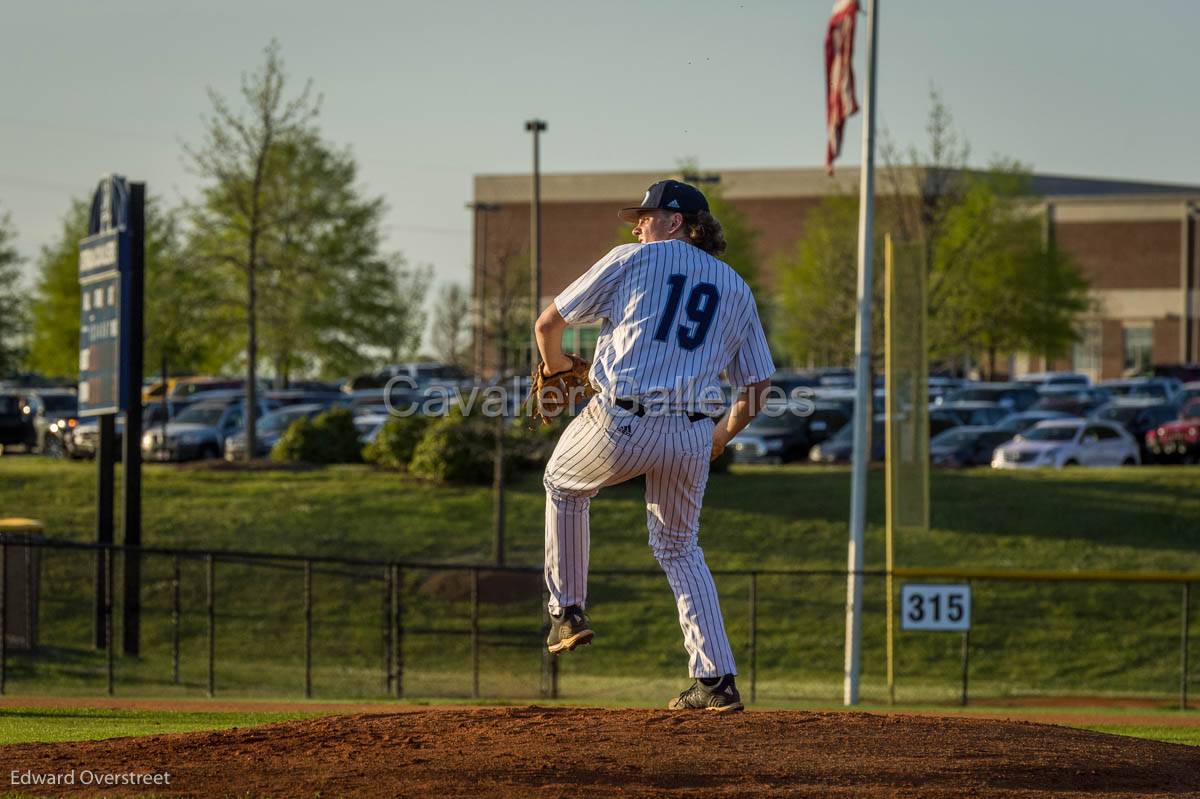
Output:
[[604, 446]]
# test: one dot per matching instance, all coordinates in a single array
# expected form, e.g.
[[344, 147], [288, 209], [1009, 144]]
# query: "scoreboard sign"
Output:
[[104, 261], [943, 608]]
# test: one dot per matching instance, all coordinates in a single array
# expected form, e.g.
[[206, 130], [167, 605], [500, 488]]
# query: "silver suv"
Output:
[[199, 432]]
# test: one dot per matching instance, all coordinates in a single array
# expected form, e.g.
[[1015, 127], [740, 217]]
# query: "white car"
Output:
[[1068, 442]]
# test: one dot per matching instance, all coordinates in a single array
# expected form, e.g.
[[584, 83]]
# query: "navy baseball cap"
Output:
[[667, 195]]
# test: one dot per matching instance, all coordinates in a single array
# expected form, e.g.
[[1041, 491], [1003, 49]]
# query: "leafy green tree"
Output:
[[54, 345], [817, 289], [13, 313], [235, 213], [281, 227], [993, 284], [328, 288]]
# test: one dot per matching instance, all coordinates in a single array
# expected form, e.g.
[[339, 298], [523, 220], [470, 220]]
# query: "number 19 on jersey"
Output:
[[935, 607]]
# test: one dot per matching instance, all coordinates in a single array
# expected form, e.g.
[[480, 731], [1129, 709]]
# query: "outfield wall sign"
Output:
[[104, 263], [941, 608]]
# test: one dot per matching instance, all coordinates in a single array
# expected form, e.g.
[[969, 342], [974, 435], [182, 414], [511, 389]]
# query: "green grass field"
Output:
[[1028, 639], [52, 725]]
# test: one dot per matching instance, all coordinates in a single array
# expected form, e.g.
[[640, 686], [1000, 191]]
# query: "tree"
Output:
[[54, 345], [13, 314], [181, 315], [235, 213], [452, 325], [329, 289], [993, 283], [817, 289]]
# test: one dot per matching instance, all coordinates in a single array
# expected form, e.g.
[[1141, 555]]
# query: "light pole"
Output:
[[536, 127], [498, 486]]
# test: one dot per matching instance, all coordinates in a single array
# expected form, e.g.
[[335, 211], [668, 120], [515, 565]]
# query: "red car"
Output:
[[1178, 440]]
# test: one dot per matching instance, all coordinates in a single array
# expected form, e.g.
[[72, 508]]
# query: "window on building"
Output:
[[1139, 347], [1085, 356]]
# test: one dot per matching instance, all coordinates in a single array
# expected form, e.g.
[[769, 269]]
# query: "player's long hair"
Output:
[[704, 231]]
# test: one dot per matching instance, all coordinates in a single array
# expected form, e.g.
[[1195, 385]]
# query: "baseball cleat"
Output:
[[720, 698], [568, 630]]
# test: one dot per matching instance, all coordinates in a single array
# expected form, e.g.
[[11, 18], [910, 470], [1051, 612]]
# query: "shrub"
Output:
[[457, 449], [396, 441], [329, 438], [532, 448]]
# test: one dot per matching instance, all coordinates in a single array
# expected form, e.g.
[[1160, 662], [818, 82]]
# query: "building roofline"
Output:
[[791, 183]]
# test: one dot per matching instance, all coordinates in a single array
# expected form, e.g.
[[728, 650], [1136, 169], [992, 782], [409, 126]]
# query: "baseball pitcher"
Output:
[[674, 317]]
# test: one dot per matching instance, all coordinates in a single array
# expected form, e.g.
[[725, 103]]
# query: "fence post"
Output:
[[474, 633], [108, 617], [753, 636], [3, 612], [308, 603], [30, 605], [212, 622], [1183, 646], [966, 650], [388, 625], [175, 614], [398, 581]]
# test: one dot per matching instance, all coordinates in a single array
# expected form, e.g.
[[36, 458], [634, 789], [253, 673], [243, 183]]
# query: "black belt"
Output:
[[639, 410]]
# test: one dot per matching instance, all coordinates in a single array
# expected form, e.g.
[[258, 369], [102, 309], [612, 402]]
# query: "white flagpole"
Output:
[[863, 388]]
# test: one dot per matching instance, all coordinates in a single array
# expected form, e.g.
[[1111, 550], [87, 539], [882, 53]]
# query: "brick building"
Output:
[[1135, 242]]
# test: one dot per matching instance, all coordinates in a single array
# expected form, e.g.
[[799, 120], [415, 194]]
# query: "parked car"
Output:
[[198, 432], [777, 435], [1044, 380], [296, 396], [185, 387], [268, 430], [1161, 388], [52, 412], [1011, 396], [1138, 416], [1071, 400], [16, 427], [1179, 439], [972, 412], [840, 447], [966, 446], [940, 386], [1068, 442], [1189, 392], [1023, 420]]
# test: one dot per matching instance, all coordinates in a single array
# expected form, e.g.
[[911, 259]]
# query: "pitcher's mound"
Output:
[[584, 752]]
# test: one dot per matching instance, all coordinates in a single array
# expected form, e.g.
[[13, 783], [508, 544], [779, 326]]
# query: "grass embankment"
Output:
[[52, 725], [1027, 638]]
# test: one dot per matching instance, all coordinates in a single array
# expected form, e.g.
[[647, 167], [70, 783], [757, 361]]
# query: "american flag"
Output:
[[839, 76]]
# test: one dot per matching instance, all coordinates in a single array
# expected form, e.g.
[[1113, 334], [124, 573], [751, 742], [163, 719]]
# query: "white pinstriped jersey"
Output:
[[673, 319]]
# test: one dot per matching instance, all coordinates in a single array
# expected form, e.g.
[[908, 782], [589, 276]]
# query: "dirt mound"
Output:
[[570, 752]]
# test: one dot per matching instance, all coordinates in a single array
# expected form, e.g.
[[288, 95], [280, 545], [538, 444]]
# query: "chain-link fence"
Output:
[[252, 624]]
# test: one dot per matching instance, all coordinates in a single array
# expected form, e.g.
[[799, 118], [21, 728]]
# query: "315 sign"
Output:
[[935, 607]]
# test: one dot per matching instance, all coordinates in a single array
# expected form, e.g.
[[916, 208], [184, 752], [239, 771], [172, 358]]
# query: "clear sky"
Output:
[[428, 94]]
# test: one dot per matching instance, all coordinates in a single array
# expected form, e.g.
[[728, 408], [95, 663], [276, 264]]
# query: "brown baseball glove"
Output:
[[550, 394]]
